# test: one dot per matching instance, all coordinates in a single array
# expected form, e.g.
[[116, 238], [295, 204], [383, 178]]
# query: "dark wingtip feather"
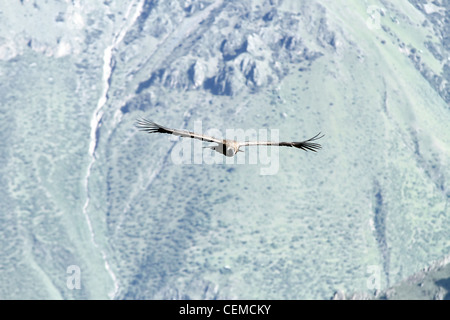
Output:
[[308, 144], [150, 126]]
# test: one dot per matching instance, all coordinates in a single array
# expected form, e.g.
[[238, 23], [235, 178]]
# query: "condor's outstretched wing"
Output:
[[304, 145], [151, 127]]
